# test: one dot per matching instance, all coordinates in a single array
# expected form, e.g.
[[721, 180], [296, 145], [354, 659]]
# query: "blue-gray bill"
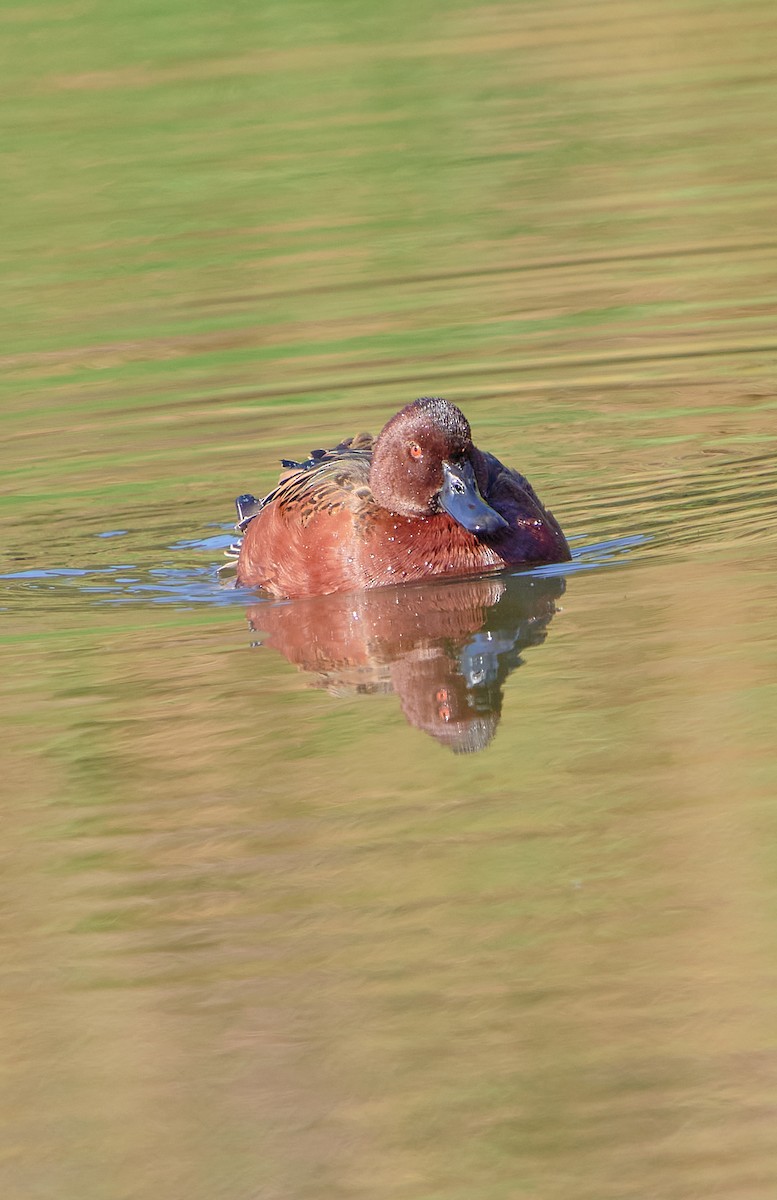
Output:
[[460, 497]]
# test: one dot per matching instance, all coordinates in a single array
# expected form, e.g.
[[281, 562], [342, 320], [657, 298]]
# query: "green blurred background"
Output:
[[264, 941]]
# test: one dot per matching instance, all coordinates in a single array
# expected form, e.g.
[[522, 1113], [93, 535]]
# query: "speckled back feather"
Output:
[[320, 483]]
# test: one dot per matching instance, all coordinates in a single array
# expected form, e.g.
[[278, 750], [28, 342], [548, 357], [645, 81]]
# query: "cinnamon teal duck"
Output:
[[418, 501]]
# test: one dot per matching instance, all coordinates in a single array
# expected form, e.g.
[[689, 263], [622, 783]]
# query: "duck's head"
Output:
[[424, 463]]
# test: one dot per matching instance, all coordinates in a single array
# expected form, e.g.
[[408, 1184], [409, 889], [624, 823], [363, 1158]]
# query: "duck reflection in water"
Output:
[[446, 648]]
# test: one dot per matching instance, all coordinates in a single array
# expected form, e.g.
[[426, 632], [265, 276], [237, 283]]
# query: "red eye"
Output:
[[415, 450]]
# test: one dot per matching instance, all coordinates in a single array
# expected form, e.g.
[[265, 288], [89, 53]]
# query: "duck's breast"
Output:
[[533, 534]]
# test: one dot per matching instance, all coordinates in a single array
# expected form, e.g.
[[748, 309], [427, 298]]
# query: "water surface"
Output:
[[472, 893]]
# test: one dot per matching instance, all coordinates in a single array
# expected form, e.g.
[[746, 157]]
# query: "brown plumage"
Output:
[[418, 501]]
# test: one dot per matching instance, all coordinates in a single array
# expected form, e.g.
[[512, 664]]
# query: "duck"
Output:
[[419, 501]]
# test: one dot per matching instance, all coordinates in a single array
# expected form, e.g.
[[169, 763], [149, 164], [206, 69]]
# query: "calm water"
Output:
[[462, 891]]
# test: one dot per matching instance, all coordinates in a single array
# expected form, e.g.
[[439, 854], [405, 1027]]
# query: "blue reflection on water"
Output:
[[191, 584]]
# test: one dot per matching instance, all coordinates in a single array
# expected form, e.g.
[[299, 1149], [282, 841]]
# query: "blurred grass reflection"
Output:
[[261, 940]]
